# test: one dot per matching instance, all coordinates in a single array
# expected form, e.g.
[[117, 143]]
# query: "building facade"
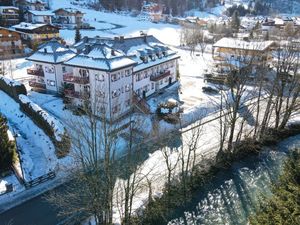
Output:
[[48, 69], [114, 75], [35, 34], [30, 4], [34, 16], [69, 17], [11, 45], [9, 16]]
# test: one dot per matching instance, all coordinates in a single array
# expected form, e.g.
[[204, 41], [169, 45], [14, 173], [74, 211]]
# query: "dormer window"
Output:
[[164, 53], [144, 59]]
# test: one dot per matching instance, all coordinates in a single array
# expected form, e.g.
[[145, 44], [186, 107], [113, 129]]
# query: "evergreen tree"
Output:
[[235, 21], [284, 206], [7, 148], [77, 35]]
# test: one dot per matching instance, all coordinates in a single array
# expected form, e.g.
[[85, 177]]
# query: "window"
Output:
[[100, 94], [83, 72], [127, 87], [115, 93], [116, 109], [127, 73], [49, 69], [101, 109], [63, 69], [152, 86], [99, 77], [115, 77], [127, 103], [51, 83], [146, 74]]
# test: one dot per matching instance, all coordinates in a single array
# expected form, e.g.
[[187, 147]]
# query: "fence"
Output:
[[40, 180]]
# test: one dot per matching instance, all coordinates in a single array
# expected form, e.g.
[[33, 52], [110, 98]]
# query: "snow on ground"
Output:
[[37, 152], [112, 24]]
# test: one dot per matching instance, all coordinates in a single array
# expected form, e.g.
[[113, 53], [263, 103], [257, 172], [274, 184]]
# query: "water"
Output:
[[233, 194]]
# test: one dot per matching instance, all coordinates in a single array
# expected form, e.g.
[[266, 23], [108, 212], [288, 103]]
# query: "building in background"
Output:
[[30, 4], [34, 16], [35, 34], [11, 45], [68, 17], [9, 16]]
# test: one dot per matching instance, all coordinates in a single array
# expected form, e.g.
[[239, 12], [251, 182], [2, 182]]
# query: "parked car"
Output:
[[210, 89]]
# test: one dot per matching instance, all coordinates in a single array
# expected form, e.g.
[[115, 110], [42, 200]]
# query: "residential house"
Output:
[[103, 76], [152, 11], [34, 34], [11, 45], [9, 16], [48, 68], [69, 17], [35, 16], [232, 52], [156, 65], [116, 74], [30, 4]]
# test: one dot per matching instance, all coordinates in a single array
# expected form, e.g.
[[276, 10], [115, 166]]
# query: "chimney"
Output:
[[113, 52], [45, 50], [116, 39], [87, 48], [122, 39]]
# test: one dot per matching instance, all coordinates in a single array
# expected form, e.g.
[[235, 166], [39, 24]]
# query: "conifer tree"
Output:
[[77, 35], [7, 149], [235, 21]]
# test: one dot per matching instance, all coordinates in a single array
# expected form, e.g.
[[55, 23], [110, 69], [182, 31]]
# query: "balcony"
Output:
[[36, 72], [160, 76], [37, 85], [69, 77], [76, 94]]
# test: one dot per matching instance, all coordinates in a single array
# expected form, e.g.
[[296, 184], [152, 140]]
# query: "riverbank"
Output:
[[166, 207]]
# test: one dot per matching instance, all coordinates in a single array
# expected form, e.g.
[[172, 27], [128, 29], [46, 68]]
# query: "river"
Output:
[[233, 194]]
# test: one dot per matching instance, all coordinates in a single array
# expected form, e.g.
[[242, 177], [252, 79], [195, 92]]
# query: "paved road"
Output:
[[36, 211]]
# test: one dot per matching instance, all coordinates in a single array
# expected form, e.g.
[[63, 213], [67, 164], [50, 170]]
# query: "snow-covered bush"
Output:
[[52, 126], [169, 110], [169, 107], [12, 88]]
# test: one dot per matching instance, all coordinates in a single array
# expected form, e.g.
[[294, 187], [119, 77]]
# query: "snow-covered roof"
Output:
[[41, 13], [28, 26], [279, 21], [244, 45], [69, 10], [101, 57], [52, 52], [33, 1], [134, 48], [9, 7]]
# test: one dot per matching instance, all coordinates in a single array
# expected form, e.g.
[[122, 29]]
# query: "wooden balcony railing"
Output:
[[36, 72], [160, 76], [69, 77], [76, 94], [37, 85]]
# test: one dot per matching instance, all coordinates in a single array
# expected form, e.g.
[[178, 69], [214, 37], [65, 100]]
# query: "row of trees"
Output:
[[173, 7]]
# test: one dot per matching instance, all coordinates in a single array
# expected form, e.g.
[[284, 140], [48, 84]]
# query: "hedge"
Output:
[[50, 125], [12, 88]]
